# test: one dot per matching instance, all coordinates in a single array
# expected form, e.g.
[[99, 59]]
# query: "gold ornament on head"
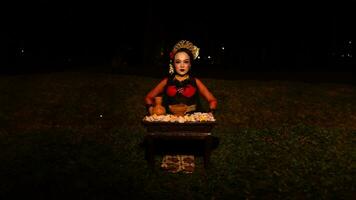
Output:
[[186, 45], [180, 45]]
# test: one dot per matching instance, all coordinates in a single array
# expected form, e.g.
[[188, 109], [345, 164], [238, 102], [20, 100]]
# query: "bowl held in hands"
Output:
[[178, 109]]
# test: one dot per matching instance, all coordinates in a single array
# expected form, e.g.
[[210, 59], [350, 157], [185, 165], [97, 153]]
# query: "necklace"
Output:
[[181, 78]]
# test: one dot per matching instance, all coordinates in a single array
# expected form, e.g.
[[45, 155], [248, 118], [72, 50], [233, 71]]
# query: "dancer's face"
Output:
[[182, 63]]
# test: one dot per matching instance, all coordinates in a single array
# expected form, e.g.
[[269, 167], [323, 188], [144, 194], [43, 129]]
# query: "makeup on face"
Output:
[[182, 63]]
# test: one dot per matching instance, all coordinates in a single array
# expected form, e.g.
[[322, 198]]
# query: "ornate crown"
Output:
[[187, 45]]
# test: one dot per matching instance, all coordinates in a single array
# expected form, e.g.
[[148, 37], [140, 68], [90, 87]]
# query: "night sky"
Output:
[[254, 34]]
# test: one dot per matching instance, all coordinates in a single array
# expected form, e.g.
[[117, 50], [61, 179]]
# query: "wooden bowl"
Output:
[[178, 109]]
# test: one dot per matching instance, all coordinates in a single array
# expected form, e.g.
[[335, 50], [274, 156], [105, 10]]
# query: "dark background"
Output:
[[129, 36]]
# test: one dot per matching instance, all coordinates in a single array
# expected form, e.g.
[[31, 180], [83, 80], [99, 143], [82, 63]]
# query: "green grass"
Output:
[[278, 140]]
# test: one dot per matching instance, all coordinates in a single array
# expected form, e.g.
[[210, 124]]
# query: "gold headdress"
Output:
[[180, 45], [187, 45]]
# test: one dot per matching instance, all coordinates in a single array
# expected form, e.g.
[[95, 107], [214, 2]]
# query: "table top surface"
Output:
[[176, 127], [178, 123]]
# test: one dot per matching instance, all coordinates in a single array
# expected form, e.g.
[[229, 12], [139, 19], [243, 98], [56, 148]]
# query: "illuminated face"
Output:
[[182, 63]]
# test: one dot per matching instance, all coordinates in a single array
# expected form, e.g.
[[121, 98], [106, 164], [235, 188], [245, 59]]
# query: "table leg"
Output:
[[150, 152], [207, 151]]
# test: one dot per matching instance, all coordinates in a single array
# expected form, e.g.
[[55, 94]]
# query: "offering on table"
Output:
[[195, 117]]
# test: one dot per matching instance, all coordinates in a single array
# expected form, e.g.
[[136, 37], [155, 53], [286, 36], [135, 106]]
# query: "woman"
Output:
[[181, 87]]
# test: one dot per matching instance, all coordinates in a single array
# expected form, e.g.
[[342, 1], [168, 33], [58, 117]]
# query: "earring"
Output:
[[171, 70]]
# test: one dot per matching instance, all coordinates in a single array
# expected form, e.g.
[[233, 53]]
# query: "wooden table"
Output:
[[178, 131]]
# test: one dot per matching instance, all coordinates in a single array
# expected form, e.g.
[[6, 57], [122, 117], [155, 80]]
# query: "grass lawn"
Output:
[[77, 135]]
